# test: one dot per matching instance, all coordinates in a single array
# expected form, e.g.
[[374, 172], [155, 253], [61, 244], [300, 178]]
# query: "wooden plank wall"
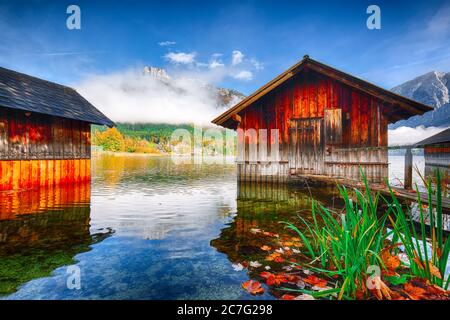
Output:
[[309, 95], [42, 137], [40, 150], [438, 155]]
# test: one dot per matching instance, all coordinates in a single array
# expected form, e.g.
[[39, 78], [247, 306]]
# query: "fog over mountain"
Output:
[[151, 95]]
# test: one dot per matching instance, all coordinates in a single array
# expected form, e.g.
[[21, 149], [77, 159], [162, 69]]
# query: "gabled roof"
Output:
[[403, 107], [441, 137], [24, 92]]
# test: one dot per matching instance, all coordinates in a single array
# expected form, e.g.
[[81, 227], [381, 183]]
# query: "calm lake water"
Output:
[[145, 229]]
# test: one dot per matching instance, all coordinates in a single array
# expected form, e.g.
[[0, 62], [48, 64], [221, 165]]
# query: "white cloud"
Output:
[[256, 64], [407, 136], [215, 64], [181, 57], [237, 57], [130, 96], [166, 43], [244, 75]]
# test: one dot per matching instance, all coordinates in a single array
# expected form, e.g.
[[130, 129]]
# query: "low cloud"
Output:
[[215, 63], [244, 75], [130, 96], [180, 57], [407, 136]]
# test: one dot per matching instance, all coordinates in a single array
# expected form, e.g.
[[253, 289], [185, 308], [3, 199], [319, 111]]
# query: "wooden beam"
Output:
[[408, 169]]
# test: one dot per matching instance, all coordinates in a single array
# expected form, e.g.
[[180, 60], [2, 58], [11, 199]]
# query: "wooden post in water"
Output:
[[408, 169]]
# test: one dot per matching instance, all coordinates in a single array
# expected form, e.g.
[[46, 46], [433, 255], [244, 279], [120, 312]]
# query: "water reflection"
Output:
[[41, 230], [164, 217], [260, 208]]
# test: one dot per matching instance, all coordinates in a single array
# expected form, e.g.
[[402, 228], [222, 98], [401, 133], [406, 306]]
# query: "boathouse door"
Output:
[[306, 146]]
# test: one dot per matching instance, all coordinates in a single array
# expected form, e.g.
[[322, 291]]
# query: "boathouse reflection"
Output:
[[43, 229], [263, 206]]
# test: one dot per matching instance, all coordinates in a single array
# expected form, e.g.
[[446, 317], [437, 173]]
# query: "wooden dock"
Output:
[[400, 193]]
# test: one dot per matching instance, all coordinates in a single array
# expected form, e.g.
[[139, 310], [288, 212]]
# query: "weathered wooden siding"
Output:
[[438, 155], [42, 150], [38, 136], [349, 129]]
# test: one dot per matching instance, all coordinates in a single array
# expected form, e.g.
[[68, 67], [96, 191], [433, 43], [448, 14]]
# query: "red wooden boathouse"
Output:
[[329, 125], [44, 132]]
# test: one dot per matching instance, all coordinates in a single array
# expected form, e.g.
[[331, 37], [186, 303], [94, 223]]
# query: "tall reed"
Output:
[[344, 246]]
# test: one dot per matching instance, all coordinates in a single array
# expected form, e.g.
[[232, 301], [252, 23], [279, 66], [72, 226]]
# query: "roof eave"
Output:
[[410, 106]]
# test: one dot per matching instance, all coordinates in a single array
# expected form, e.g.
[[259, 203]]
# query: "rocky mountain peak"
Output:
[[158, 73], [431, 88]]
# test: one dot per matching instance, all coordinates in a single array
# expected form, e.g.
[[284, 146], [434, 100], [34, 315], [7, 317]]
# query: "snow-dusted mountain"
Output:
[[433, 89], [224, 97], [158, 73]]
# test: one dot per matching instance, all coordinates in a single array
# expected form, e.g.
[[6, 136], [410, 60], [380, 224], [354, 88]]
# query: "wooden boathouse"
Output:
[[327, 124], [44, 132], [436, 152], [437, 149]]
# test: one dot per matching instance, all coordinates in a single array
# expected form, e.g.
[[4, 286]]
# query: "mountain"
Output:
[[157, 73], [432, 89], [225, 97]]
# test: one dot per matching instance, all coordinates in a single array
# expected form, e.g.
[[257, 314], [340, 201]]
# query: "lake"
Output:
[[146, 228]]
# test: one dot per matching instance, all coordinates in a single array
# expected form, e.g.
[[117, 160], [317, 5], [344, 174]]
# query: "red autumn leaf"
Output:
[[292, 278], [287, 297], [415, 293], [315, 281], [265, 274], [391, 262], [276, 279], [278, 259], [273, 256], [270, 234], [253, 287]]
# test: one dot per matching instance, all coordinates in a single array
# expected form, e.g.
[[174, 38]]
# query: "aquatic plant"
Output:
[[424, 263], [350, 247]]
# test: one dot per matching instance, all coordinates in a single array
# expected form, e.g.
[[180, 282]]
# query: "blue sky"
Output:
[[266, 37]]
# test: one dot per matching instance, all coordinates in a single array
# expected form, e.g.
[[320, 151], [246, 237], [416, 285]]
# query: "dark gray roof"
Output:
[[24, 92], [441, 137]]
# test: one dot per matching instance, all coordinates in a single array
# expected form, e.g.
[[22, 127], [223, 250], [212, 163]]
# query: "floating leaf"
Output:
[[266, 248], [414, 292], [272, 256], [255, 264], [392, 262], [315, 281], [265, 274], [288, 297], [253, 287]]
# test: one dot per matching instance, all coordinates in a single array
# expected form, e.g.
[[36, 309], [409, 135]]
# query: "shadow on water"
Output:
[[41, 230]]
